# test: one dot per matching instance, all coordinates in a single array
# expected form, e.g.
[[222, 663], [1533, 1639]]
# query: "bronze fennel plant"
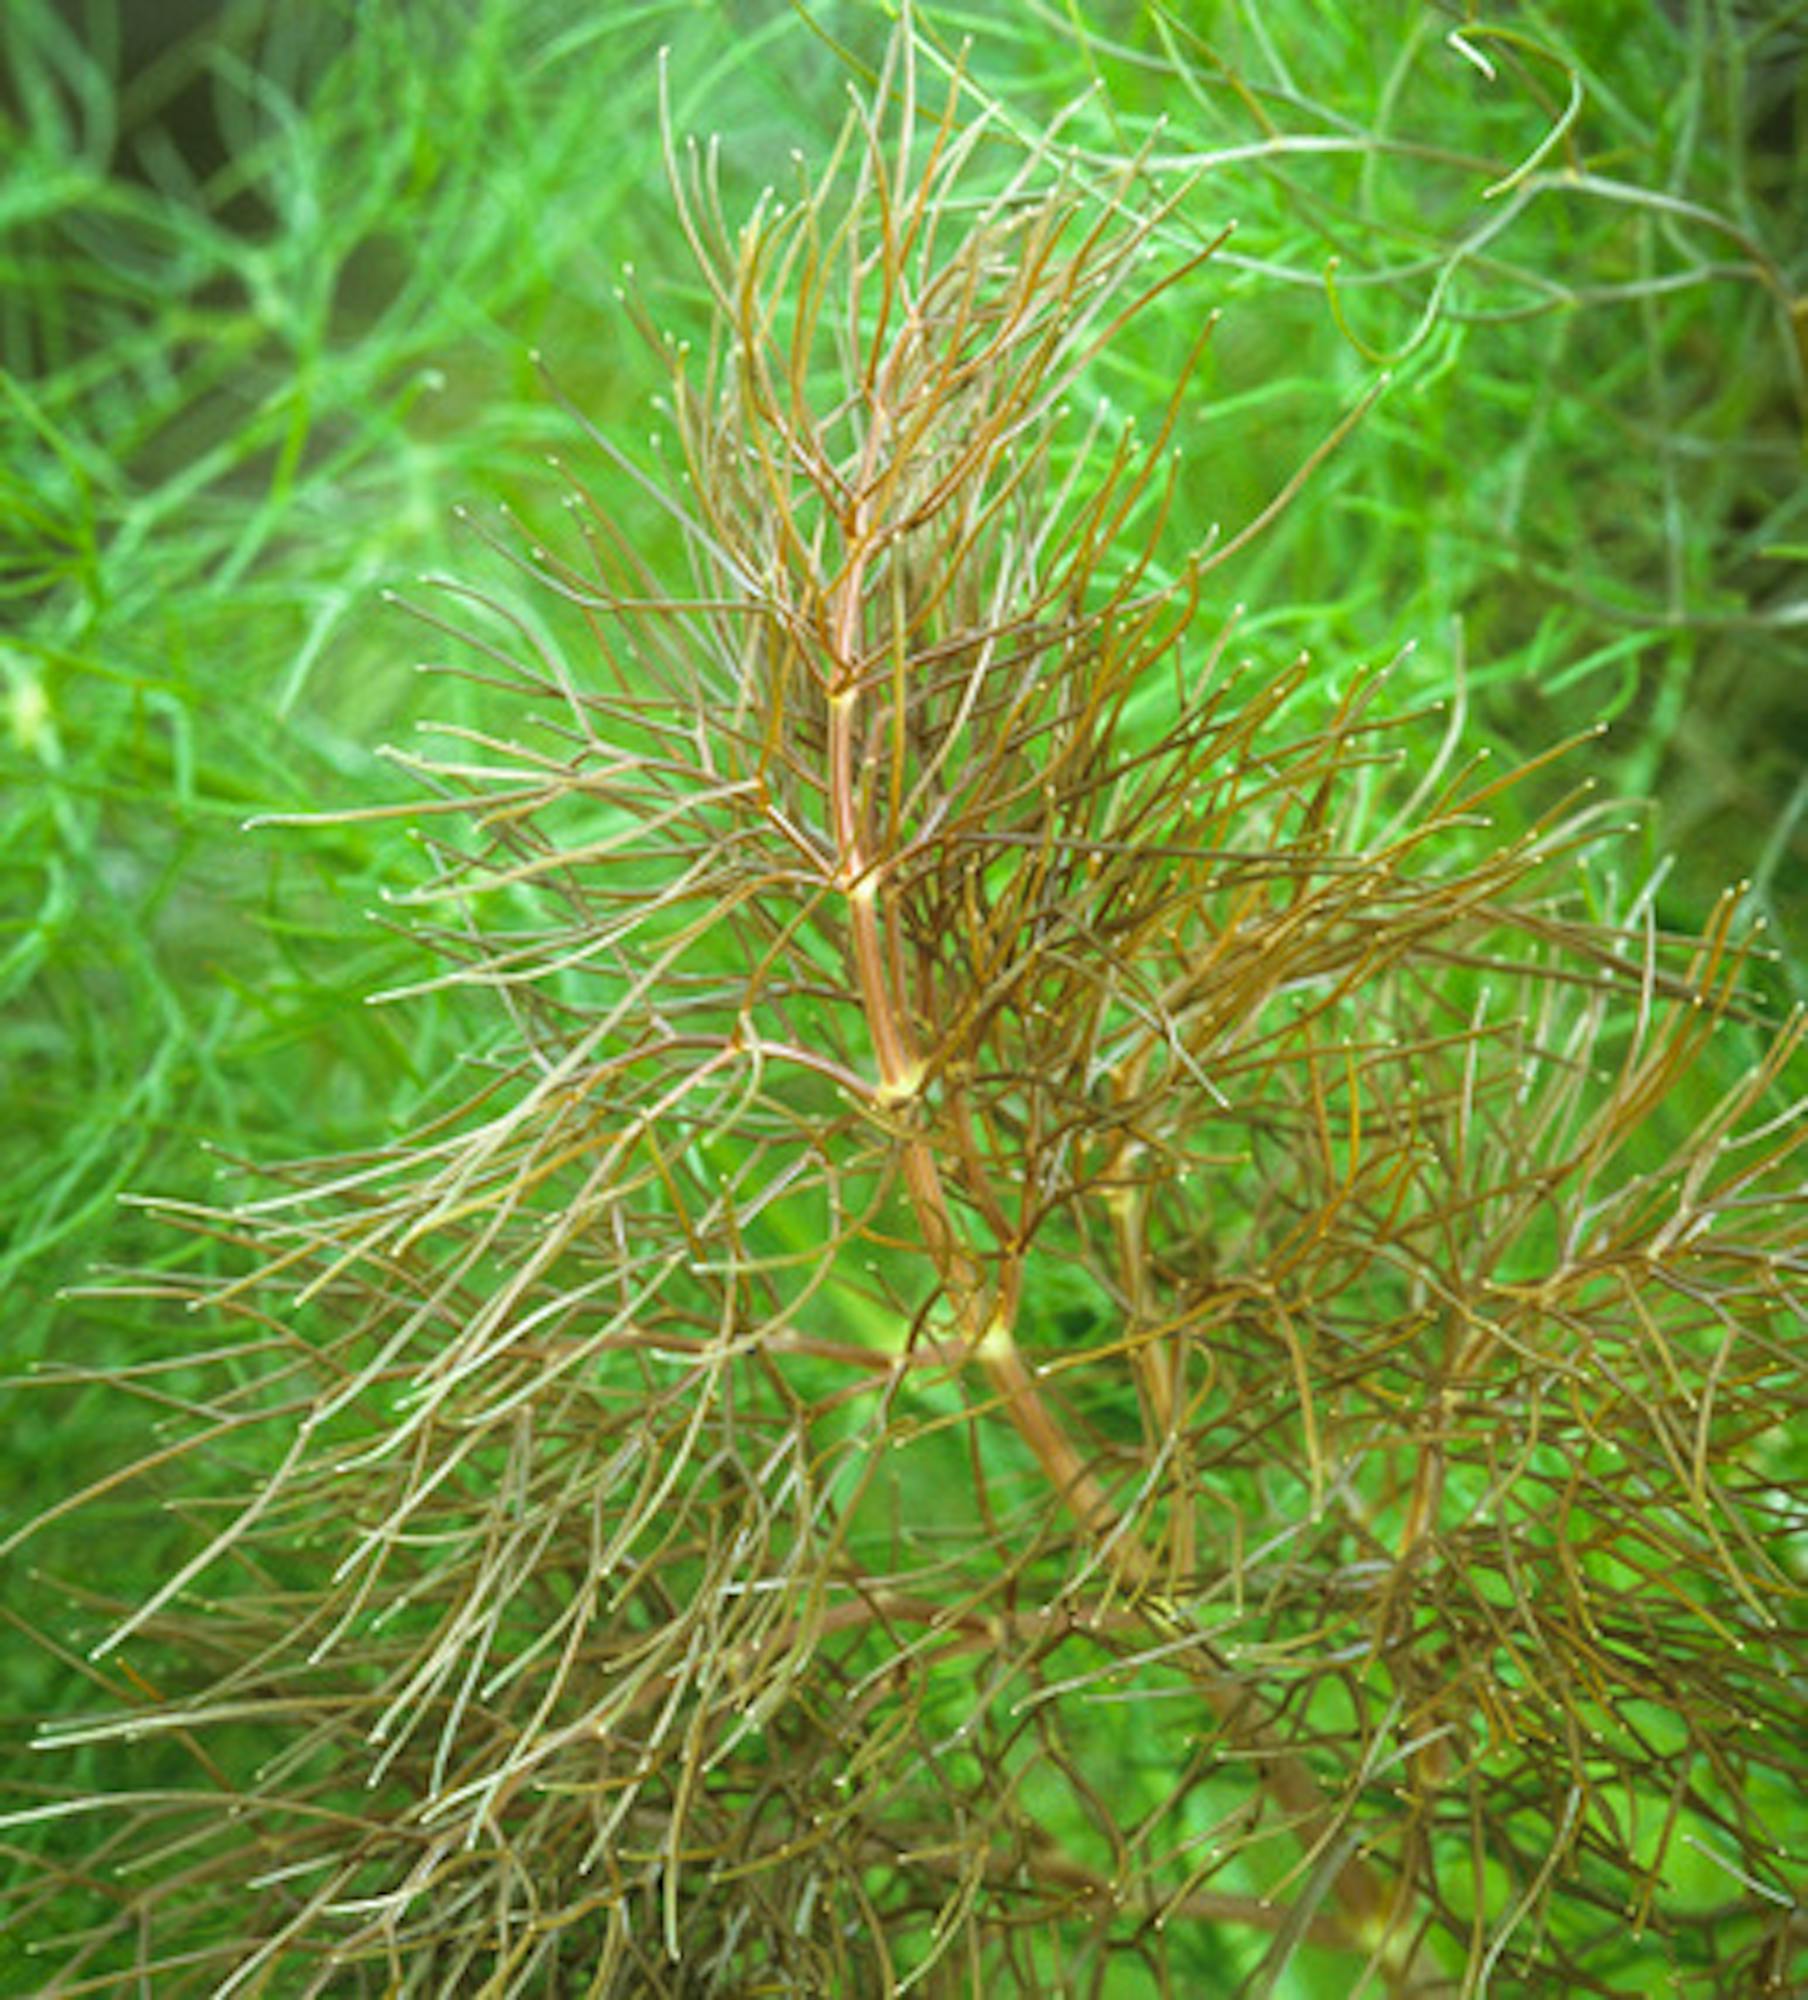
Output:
[[1075, 1356]]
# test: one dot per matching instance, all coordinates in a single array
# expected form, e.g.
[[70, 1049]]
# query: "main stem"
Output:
[[985, 1315]]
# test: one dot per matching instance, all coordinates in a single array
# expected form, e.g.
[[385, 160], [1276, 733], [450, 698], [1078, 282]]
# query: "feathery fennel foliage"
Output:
[[1094, 1327]]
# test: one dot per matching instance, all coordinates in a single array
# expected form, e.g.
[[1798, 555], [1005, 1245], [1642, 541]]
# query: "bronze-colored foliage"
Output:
[[1076, 1349]]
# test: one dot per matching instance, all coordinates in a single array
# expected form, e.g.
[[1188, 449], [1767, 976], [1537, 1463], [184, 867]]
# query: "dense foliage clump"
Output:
[[1107, 1324]]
